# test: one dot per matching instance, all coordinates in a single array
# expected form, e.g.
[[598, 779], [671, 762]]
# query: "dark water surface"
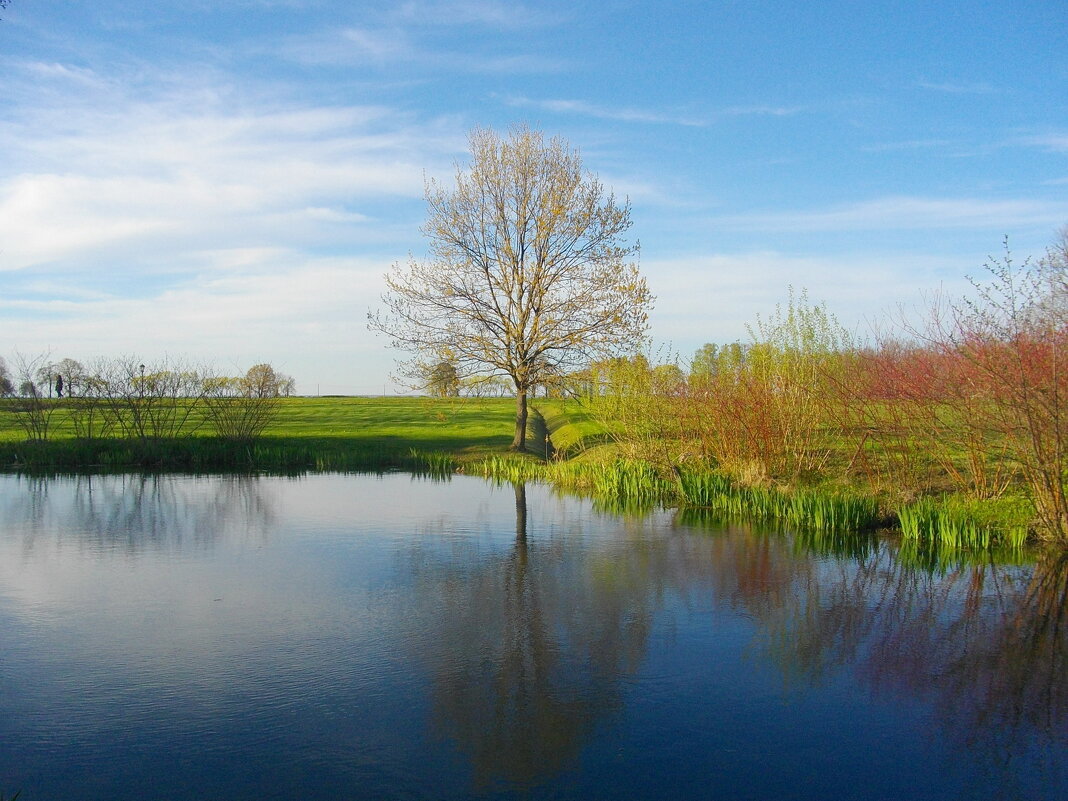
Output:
[[339, 636]]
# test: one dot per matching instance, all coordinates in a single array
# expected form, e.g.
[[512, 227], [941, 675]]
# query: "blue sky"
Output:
[[229, 181]]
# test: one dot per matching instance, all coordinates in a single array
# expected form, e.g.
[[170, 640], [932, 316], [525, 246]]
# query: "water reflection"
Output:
[[984, 643], [532, 645], [135, 513], [383, 619]]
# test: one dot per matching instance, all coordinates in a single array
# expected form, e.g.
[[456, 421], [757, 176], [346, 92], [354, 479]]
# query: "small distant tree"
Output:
[[7, 386], [72, 373], [443, 381], [711, 359], [262, 381], [704, 360]]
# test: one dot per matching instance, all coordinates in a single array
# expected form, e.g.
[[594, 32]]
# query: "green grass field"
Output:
[[307, 433]]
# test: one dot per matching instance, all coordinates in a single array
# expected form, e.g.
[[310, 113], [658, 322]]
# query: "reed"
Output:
[[630, 481], [955, 523], [623, 484], [814, 509], [432, 464], [505, 469]]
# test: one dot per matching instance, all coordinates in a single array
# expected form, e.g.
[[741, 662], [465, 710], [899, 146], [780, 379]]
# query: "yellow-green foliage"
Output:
[[573, 430]]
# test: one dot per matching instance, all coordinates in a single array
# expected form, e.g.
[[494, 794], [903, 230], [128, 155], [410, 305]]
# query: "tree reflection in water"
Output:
[[984, 644], [530, 647], [132, 513]]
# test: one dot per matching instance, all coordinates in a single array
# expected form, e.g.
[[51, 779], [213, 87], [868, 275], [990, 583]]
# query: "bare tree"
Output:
[[154, 401], [33, 410], [91, 413], [241, 408], [529, 273]]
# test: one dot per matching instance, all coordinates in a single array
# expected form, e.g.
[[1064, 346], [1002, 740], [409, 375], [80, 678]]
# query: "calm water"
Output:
[[333, 637]]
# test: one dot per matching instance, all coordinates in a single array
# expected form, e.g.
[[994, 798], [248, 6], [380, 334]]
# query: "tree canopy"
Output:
[[529, 273]]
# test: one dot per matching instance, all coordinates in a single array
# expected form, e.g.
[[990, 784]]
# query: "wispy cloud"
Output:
[[902, 212], [1051, 142], [631, 114], [350, 46], [397, 45], [377, 44], [908, 144], [198, 167], [585, 109], [507, 15], [959, 87], [757, 111]]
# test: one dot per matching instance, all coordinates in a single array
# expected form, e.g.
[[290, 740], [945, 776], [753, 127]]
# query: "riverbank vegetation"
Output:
[[953, 426]]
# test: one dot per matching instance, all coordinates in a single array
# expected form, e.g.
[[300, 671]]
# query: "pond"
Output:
[[386, 636]]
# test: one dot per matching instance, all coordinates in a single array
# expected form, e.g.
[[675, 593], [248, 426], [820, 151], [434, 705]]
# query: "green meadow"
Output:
[[329, 433]]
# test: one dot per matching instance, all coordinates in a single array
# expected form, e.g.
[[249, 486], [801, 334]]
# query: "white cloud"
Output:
[[392, 46], [909, 144], [189, 172], [630, 114], [903, 212], [1054, 142], [492, 13], [960, 87], [306, 315], [713, 298]]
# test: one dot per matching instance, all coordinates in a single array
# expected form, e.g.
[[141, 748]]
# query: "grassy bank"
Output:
[[569, 449]]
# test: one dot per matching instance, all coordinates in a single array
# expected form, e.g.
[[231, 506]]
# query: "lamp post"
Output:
[[142, 382]]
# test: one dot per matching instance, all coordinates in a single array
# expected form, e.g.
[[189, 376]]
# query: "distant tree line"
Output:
[[129, 398]]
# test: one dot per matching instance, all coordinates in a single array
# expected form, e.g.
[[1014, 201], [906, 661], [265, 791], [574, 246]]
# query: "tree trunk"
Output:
[[520, 512], [519, 441]]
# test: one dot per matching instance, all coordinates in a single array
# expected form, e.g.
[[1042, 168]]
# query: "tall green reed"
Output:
[[804, 509], [955, 523]]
